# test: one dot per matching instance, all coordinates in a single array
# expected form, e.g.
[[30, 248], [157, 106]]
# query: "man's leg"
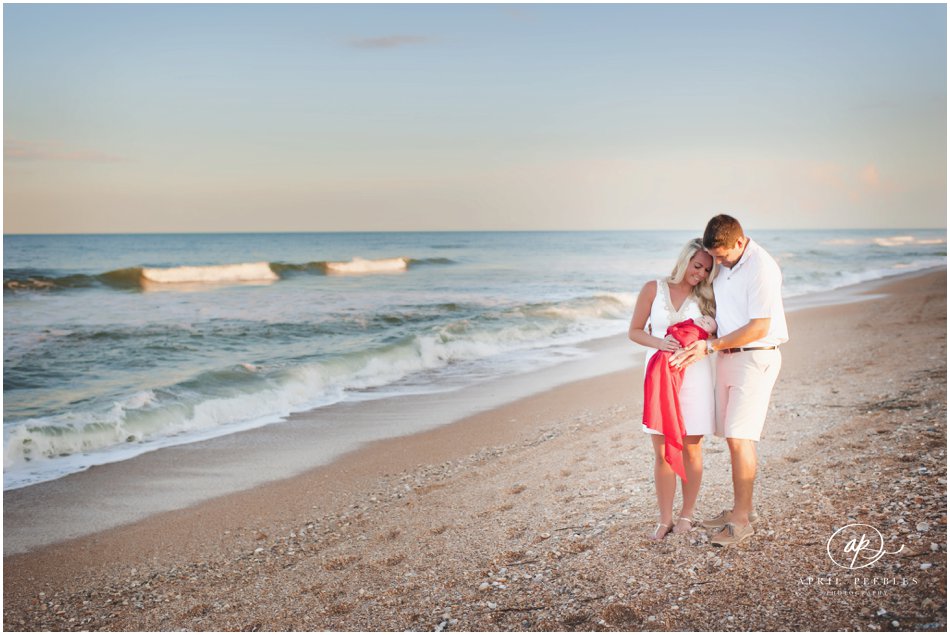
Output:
[[749, 378], [743, 456]]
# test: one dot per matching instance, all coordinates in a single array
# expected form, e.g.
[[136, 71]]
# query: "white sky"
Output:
[[177, 118]]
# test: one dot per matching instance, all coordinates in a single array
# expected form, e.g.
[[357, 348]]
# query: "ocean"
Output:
[[116, 345]]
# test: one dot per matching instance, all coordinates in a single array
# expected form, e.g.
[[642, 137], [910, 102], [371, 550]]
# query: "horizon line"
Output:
[[445, 231]]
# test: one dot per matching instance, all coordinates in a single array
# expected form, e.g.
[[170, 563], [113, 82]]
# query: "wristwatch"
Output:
[[709, 348]]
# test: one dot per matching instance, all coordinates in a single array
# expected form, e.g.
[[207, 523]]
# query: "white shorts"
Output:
[[744, 382]]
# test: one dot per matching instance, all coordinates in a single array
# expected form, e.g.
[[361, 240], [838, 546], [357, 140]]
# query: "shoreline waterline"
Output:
[[274, 409], [95, 374], [181, 476]]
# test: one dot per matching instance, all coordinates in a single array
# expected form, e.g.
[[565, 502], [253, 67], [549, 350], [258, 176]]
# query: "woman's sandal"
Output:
[[692, 523], [656, 536]]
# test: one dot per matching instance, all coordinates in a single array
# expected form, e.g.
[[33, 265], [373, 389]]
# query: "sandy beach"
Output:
[[533, 515]]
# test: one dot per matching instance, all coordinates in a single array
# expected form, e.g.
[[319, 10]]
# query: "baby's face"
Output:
[[706, 323]]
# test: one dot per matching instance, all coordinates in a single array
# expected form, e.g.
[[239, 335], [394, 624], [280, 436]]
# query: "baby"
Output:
[[708, 324], [661, 406]]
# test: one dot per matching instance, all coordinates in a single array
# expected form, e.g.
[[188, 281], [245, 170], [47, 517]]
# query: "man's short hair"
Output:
[[722, 231]]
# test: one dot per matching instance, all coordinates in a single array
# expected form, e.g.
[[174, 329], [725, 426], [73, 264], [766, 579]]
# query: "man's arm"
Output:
[[754, 330]]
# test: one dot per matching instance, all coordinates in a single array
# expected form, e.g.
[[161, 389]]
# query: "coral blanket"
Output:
[[661, 387]]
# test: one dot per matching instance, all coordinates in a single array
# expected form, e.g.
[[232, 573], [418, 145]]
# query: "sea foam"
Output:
[[243, 395], [253, 272], [244, 272], [364, 266]]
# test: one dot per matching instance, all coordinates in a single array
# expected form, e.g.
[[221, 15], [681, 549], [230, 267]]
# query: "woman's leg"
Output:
[[665, 480], [693, 464]]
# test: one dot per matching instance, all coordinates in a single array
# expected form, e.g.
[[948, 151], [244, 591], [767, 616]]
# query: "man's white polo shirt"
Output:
[[751, 289]]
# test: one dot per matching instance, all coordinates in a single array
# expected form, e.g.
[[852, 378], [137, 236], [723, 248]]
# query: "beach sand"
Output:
[[533, 515]]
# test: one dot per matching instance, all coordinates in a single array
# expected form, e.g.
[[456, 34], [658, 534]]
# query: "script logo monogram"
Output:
[[857, 546]]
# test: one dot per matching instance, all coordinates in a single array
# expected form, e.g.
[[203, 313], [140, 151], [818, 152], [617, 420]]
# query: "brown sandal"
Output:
[[718, 522], [732, 535]]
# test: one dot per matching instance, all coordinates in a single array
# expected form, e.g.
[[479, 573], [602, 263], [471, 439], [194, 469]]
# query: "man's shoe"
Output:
[[732, 535], [720, 521]]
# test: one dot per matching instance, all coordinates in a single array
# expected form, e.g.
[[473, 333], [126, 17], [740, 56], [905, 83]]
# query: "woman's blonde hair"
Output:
[[703, 292]]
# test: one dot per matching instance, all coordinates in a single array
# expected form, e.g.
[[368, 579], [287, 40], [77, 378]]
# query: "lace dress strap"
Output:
[[673, 316]]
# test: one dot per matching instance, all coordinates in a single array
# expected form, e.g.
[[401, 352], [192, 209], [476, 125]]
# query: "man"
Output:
[[752, 325]]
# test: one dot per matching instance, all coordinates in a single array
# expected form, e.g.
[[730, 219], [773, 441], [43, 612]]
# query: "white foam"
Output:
[[894, 241], [363, 266], [840, 279], [603, 306], [886, 241], [46, 448], [843, 241], [244, 272]]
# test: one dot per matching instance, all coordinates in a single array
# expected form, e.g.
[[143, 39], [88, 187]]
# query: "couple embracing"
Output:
[[716, 323]]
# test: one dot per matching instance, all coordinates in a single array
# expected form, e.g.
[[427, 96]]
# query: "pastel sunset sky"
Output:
[[215, 118]]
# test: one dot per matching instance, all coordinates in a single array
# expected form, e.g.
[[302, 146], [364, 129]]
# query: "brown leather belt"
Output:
[[751, 348]]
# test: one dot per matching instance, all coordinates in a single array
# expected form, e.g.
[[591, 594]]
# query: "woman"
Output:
[[686, 293]]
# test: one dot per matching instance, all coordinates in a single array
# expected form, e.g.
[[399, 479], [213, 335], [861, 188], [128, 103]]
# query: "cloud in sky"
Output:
[[871, 176], [857, 183], [389, 41], [18, 149], [519, 13]]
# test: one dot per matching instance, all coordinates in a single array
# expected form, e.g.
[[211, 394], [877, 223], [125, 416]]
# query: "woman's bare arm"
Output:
[[641, 313]]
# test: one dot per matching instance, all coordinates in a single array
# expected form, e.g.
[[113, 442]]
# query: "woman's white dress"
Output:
[[697, 394]]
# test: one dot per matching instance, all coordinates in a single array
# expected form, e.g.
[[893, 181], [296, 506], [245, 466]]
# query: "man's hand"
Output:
[[689, 355]]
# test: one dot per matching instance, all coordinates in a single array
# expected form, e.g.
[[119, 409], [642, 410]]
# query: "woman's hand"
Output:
[[669, 344]]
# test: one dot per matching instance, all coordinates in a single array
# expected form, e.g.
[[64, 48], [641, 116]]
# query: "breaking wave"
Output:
[[247, 272], [363, 266], [245, 395], [145, 278]]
